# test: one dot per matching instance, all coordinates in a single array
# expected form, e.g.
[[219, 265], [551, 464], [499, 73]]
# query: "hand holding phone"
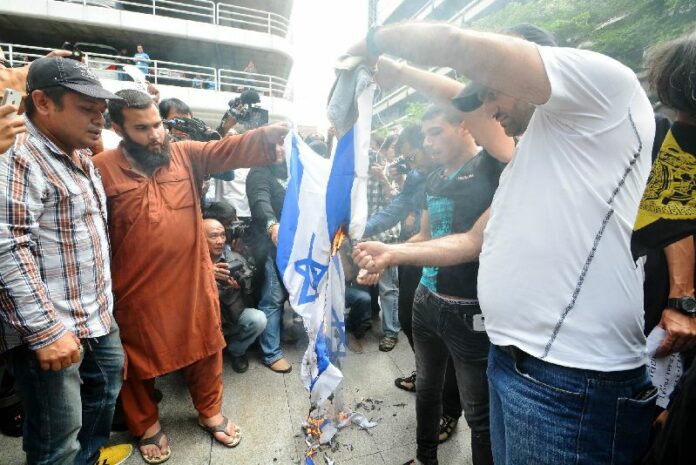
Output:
[[10, 123]]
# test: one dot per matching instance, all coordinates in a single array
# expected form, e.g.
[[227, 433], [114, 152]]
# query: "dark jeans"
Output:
[[442, 328], [360, 303], [69, 412], [409, 276], [549, 414]]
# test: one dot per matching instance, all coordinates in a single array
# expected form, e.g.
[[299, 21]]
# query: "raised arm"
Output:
[[440, 90], [504, 63]]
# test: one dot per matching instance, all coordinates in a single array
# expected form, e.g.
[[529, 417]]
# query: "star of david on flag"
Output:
[[324, 197]]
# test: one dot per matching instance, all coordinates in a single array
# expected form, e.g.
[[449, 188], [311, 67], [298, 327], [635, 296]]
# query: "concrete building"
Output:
[[200, 50]]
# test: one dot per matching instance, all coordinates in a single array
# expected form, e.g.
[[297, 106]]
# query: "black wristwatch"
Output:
[[686, 305]]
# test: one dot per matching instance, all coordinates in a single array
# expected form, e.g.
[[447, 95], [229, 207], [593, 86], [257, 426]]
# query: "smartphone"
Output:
[[11, 97]]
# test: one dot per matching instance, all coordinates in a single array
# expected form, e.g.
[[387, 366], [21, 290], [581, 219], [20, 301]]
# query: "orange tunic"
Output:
[[166, 300]]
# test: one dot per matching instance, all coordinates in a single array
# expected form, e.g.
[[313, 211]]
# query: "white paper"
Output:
[[665, 372]]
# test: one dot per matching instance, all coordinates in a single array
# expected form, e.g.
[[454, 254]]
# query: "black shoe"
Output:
[[11, 419], [240, 363], [407, 383], [447, 426]]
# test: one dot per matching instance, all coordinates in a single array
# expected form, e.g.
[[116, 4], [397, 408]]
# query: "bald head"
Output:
[[215, 235]]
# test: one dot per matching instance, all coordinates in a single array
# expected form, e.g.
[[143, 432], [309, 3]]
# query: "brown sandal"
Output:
[[154, 441], [222, 428]]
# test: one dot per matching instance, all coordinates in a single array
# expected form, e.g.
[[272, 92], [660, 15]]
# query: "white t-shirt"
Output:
[[556, 276], [234, 192]]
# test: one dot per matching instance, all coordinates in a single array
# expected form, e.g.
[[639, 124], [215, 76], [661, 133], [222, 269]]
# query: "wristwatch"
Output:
[[270, 224], [686, 305]]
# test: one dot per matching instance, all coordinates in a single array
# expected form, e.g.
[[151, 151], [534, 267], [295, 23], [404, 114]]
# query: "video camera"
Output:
[[243, 274], [195, 128], [76, 54], [244, 109]]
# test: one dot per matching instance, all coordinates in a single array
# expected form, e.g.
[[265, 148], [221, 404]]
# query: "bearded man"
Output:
[[166, 299]]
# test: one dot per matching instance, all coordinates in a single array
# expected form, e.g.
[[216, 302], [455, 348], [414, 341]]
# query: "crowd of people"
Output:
[[498, 240]]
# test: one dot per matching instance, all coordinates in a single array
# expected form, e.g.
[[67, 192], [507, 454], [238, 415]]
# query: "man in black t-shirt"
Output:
[[446, 316]]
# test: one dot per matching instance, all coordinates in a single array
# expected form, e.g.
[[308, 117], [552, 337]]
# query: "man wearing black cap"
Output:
[[559, 290], [57, 327]]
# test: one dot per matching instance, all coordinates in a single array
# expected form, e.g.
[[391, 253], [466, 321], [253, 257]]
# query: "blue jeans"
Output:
[[271, 304], [444, 329], [251, 324], [360, 305], [389, 301], [548, 414], [69, 412]]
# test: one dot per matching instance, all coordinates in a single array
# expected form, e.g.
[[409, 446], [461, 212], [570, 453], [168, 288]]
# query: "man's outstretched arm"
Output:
[[440, 90], [504, 63], [444, 251]]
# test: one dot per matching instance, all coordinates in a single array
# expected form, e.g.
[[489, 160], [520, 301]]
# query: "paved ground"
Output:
[[270, 408]]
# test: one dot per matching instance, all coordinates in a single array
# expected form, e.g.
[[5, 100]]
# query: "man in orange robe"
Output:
[[166, 301]]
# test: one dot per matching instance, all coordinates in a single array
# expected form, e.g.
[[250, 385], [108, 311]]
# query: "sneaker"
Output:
[[240, 363], [447, 426], [387, 343], [114, 455], [407, 383]]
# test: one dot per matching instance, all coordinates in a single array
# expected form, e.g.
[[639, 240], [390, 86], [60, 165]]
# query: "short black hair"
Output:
[[130, 98], [433, 111], [168, 104], [411, 135], [55, 94], [672, 73], [220, 211]]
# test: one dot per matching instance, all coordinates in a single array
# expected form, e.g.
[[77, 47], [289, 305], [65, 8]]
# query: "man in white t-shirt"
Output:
[[560, 292]]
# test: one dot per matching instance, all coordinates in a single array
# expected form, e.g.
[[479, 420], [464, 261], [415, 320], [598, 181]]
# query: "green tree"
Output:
[[622, 29]]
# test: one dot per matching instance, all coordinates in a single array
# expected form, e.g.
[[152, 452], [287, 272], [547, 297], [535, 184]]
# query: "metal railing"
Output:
[[161, 72], [236, 81], [248, 18], [208, 11]]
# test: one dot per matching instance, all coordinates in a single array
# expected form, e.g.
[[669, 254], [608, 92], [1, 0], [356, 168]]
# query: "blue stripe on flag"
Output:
[[323, 357], [338, 190], [291, 208]]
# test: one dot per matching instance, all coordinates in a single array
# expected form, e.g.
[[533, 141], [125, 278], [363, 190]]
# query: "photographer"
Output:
[[241, 324]]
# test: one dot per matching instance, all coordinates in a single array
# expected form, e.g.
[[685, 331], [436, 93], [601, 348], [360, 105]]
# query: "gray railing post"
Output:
[[155, 71], [154, 8], [11, 52]]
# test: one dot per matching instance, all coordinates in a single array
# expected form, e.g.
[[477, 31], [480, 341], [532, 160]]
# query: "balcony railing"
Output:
[[205, 11], [161, 72]]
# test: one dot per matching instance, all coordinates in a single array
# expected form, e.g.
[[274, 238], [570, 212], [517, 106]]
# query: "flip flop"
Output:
[[154, 441], [222, 428]]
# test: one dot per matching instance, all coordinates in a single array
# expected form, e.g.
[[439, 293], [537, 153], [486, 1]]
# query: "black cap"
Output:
[[71, 74], [469, 97]]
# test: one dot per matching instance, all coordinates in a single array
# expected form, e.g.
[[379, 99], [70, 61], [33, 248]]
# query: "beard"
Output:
[[148, 159]]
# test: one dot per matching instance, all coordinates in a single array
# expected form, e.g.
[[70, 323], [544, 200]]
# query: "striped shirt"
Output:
[[54, 251]]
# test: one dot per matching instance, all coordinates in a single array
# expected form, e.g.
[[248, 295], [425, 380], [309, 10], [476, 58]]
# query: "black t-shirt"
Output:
[[454, 204], [656, 285]]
